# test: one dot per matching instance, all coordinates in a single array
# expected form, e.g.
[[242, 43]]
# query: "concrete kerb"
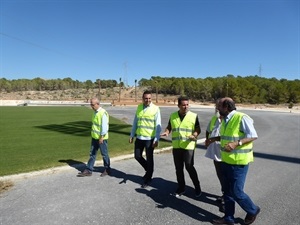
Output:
[[58, 169]]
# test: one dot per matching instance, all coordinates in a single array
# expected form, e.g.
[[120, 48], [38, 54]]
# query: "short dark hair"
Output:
[[182, 98], [229, 104], [147, 93]]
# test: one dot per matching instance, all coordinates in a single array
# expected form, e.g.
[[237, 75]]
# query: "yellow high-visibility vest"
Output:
[[146, 120], [212, 124], [181, 130], [96, 124], [230, 132]]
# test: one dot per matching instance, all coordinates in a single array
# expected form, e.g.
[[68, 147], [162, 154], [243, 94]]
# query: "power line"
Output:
[[31, 43], [45, 48]]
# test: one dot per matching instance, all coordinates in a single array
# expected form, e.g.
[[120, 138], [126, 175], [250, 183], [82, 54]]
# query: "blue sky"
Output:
[[135, 39]]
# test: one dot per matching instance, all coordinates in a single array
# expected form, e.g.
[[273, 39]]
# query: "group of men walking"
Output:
[[229, 141]]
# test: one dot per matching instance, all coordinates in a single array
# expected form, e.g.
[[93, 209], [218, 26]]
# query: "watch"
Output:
[[240, 142]]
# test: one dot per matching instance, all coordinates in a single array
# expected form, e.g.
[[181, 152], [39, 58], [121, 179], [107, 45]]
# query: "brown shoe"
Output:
[[251, 218], [222, 221], [85, 173], [106, 172]]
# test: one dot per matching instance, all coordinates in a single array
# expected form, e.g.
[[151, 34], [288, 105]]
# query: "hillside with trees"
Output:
[[246, 90]]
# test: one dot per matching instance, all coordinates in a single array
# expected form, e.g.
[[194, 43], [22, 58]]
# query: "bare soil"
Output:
[[122, 97], [5, 186], [116, 95]]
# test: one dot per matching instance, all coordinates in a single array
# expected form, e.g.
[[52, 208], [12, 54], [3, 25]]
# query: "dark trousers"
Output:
[[148, 163], [220, 175], [234, 181], [185, 158]]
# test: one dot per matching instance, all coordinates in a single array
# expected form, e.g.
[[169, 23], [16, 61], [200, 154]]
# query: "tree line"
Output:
[[250, 89], [39, 84]]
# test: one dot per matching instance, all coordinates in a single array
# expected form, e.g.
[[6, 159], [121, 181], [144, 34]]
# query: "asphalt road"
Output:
[[62, 198]]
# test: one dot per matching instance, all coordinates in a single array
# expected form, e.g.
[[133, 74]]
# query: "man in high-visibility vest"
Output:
[[185, 128], [214, 149], [237, 134], [146, 128], [99, 133]]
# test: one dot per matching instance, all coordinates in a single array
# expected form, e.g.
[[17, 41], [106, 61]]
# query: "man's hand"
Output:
[[192, 138], [130, 140], [230, 146], [207, 142], [164, 134]]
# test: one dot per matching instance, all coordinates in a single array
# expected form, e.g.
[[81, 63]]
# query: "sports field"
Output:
[[35, 138]]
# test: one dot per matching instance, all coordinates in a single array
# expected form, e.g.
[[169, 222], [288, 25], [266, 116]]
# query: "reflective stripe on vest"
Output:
[[230, 132], [146, 120], [96, 124], [181, 130]]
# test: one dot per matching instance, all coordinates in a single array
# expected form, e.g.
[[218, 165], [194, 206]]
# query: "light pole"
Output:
[[120, 90], [99, 91], [156, 91], [135, 89], [227, 89]]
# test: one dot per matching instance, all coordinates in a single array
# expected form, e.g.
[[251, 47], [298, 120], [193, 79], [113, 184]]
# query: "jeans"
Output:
[[95, 145], [148, 163], [234, 181], [185, 158]]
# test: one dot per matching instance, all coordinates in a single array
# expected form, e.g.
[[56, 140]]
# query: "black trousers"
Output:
[[148, 163], [185, 158], [218, 167]]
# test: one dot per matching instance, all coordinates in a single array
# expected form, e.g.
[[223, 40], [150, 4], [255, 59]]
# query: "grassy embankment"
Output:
[[36, 138]]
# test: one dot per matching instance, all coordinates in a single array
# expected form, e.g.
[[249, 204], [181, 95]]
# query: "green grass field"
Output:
[[35, 138]]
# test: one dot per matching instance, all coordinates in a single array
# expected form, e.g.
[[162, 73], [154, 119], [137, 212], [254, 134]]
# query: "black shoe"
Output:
[[198, 192], [179, 192], [146, 183], [221, 221], [251, 218]]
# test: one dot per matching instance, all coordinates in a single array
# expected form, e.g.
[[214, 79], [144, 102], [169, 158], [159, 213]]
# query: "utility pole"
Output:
[[125, 75], [259, 70]]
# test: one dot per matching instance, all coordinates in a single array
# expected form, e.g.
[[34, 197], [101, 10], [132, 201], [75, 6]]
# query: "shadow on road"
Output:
[[162, 193], [80, 166]]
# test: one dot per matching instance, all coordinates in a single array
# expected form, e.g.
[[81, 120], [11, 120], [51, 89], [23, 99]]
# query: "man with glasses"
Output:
[[99, 133], [237, 134], [146, 128]]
